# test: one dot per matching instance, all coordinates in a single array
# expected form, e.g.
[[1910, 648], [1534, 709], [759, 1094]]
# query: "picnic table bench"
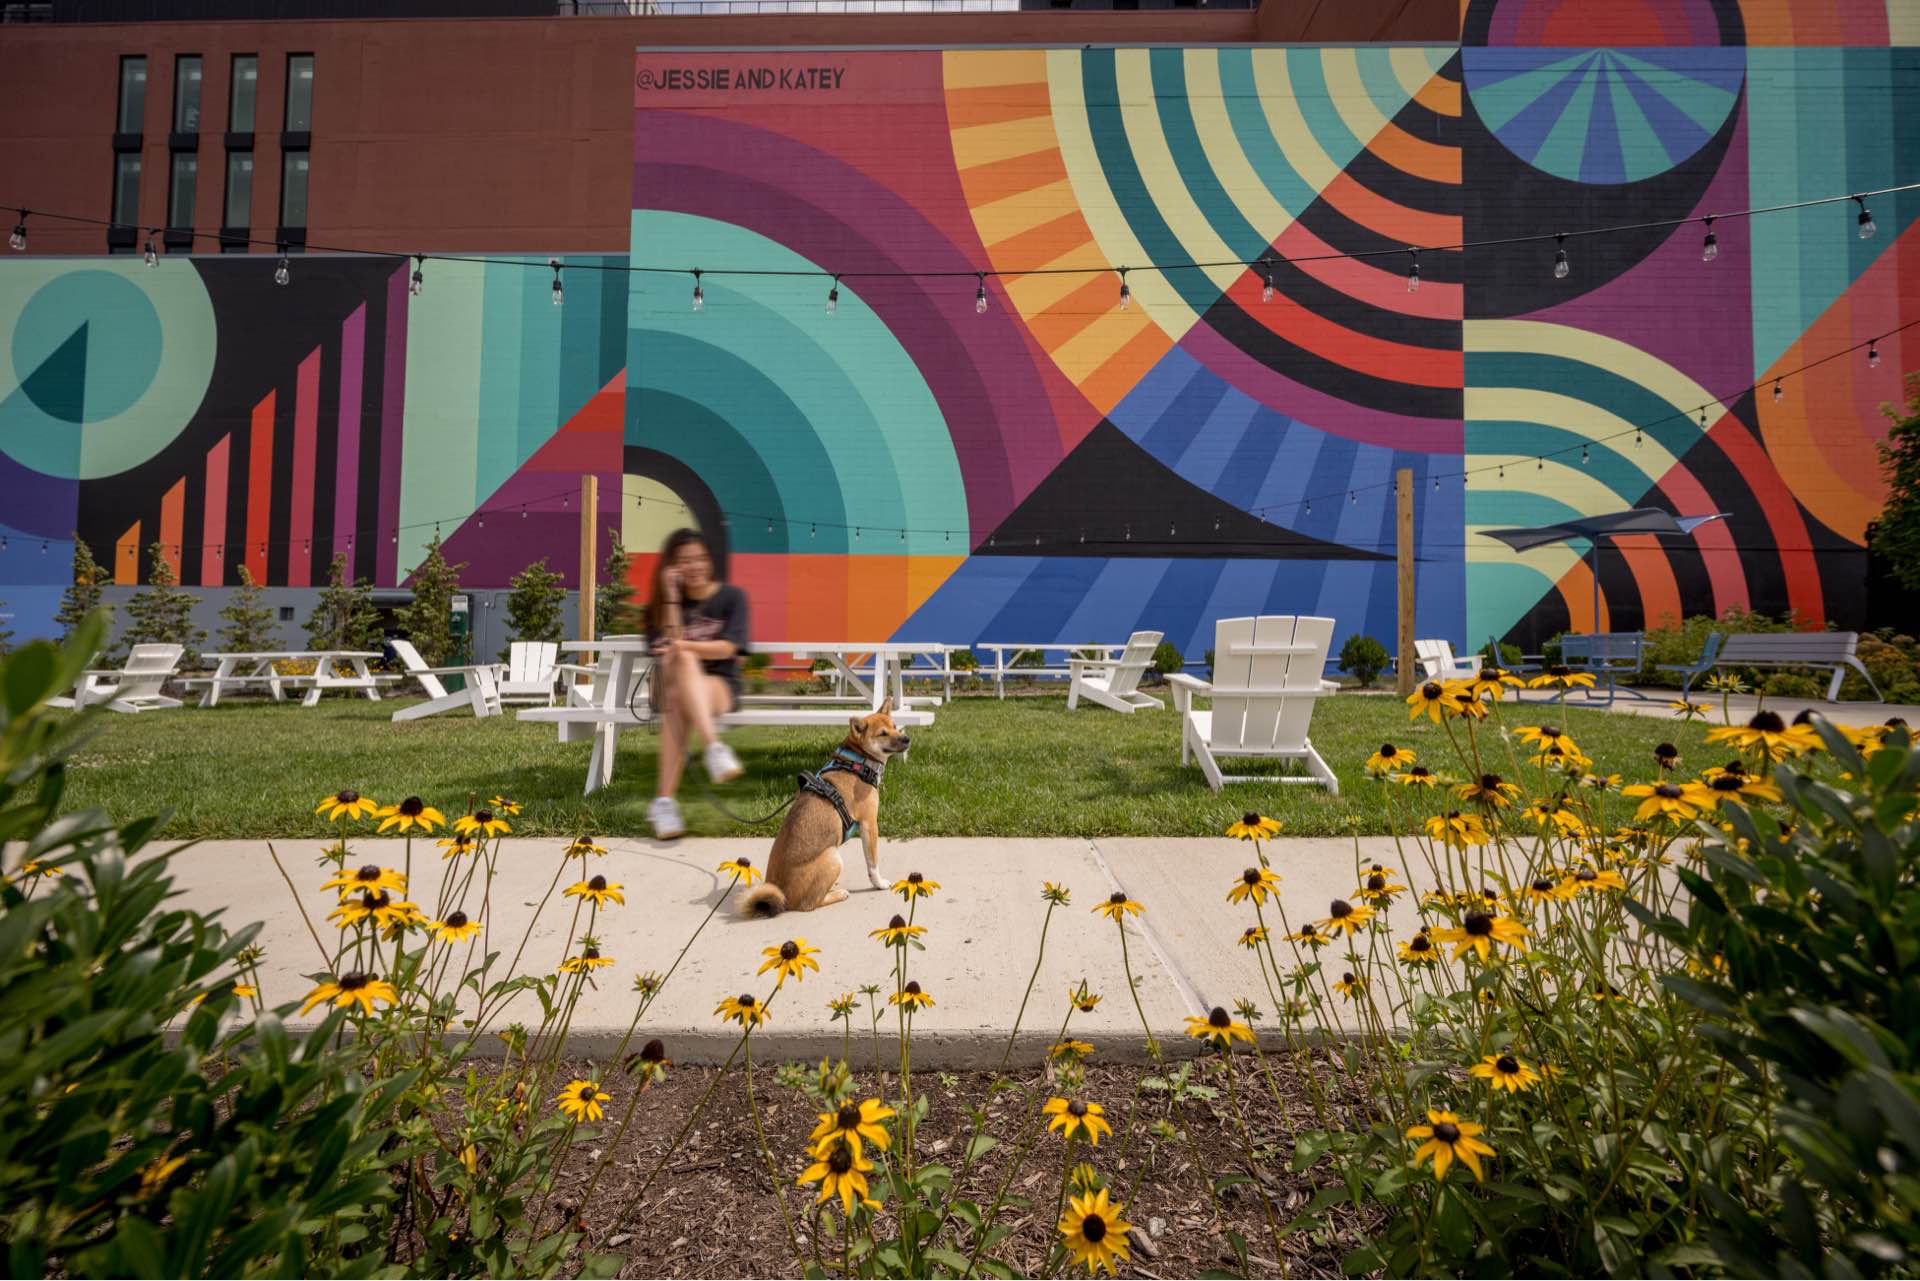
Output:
[[1007, 655], [1608, 656], [1835, 650], [238, 670]]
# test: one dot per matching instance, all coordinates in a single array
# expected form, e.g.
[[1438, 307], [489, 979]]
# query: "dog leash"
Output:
[[721, 805]]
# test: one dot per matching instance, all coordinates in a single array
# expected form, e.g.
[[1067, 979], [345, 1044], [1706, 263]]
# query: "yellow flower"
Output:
[[841, 1171], [470, 1158], [1560, 676], [1447, 1138], [852, 1123], [741, 869], [1545, 889], [792, 959], [1505, 1072], [1457, 830], [1462, 701], [1344, 918], [245, 991], [744, 1009], [1309, 936], [1430, 700], [1541, 737], [1390, 759], [1352, 986], [1057, 894], [912, 998], [350, 990], [482, 823], [1491, 682], [1555, 814], [385, 911], [1675, 802], [1252, 827], [1589, 878], [1255, 883], [649, 983], [1766, 735], [347, 802], [1730, 784], [1072, 1117], [581, 1100], [843, 1005], [1419, 776], [1094, 1233], [1083, 1000], [1070, 1049], [1479, 932], [1219, 1029], [1419, 950], [1084, 1178], [1688, 711], [501, 805], [589, 959], [454, 928], [1555, 757], [456, 845], [371, 877], [599, 891], [915, 886], [1253, 936], [896, 932], [1490, 790], [1379, 887], [1119, 905], [411, 813], [154, 1176], [579, 847], [1727, 683]]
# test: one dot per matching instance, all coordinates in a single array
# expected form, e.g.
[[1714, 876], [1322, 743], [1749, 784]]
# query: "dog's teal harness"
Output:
[[845, 762]]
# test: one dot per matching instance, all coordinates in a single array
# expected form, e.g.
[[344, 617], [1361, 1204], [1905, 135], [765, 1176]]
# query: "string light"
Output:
[[1864, 221], [1703, 420], [1710, 247], [1353, 499], [282, 272], [1413, 271], [559, 290], [1309, 507], [1873, 354], [1638, 439], [1436, 484], [699, 294], [1266, 279], [1585, 456], [1540, 464], [833, 296], [1560, 264], [419, 281], [980, 293], [18, 240], [147, 252], [1126, 294], [1777, 393]]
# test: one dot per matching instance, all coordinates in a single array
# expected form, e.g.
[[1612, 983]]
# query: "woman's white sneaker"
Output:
[[664, 814], [722, 765]]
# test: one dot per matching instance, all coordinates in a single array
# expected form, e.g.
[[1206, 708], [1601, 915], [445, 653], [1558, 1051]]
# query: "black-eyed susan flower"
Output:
[[1084, 1178], [841, 1172], [155, 1174], [1094, 1233], [1688, 710], [453, 928], [744, 1009], [649, 983], [1073, 1117], [1462, 701], [1308, 936], [1675, 802], [501, 805], [1352, 986], [914, 886], [482, 823], [1505, 1072], [1605, 991], [1429, 700], [1489, 790], [349, 803], [1559, 758], [1548, 889], [581, 1100], [1492, 682], [580, 847], [245, 991], [651, 1063], [1727, 683], [741, 870], [1541, 737], [1419, 776], [588, 960], [370, 877], [1059, 895], [896, 932], [1480, 932], [599, 891], [1083, 1000], [1218, 1029], [1117, 906], [409, 814], [1560, 676], [385, 911], [853, 1123], [1666, 756], [1721, 785], [350, 990], [1595, 879], [1344, 918], [1768, 737], [1070, 1050], [1390, 759], [1418, 950], [1255, 883], [457, 844], [1447, 1139], [911, 998], [843, 1006], [1253, 936], [1378, 887], [1253, 827], [1460, 831], [791, 960], [1556, 815]]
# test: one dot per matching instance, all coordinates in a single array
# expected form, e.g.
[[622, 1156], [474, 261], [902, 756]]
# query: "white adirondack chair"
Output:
[[1266, 680], [1114, 682], [532, 674], [1438, 663], [135, 687], [482, 692]]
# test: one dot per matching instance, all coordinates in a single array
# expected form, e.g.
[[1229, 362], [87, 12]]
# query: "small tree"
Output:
[[533, 606], [1895, 536], [429, 620], [1363, 658], [615, 612], [160, 612], [344, 616], [82, 597], [6, 633], [248, 624]]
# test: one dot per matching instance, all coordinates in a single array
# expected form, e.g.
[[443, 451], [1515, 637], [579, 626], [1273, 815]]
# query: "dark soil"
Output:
[[711, 1212]]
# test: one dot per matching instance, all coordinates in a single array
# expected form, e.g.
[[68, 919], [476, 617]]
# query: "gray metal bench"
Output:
[[1833, 650], [1609, 656]]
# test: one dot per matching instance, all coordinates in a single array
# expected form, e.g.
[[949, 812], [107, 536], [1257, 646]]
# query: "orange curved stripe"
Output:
[[1758, 469], [1717, 553], [1653, 575], [1108, 385], [1417, 156], [992, 104], [1576, 591], [985, 184], [1374, 211], [1440, 95]]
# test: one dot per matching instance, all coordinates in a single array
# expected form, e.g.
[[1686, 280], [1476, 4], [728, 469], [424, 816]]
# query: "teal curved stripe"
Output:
[[1504, 508], [1499, 594], [1314, 100], [732, 393], [1609, 466], [1627, 400], [1190, 158], [709, 444], [1382, 85], [1255, 136]]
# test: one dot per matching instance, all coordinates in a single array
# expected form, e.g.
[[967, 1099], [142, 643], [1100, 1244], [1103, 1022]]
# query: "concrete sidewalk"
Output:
[[982, 930], [1741, 707]]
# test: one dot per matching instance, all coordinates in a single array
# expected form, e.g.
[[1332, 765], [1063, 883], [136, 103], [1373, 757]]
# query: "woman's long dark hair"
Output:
[[657, 602]]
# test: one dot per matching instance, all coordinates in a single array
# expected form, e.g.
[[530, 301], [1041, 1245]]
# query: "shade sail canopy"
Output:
[[1640, 520]]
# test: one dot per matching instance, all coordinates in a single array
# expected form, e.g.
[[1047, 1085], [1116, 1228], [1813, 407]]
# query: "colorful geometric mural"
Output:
[[1055, 465]]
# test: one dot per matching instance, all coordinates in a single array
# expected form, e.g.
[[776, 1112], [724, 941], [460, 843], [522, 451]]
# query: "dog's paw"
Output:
[[873, 879]]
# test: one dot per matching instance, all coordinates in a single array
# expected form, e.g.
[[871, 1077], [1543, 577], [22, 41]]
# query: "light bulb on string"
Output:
[[980, 293], [18, 240], [1560, 264], [147, 252], [1865, 220], [1126, 294], [1540, 464], [1703, 419], [833, 296], [1710, 247], [419, 281], [1638, 440], [699, 294], [1503, 471], [1586, 455], [1353, 499], [559, 290], [1436, 484], [1873, 353], [282, 272], [1777, 393], [1413, 272], [1266, 280], [523, 511], [1309, 510]]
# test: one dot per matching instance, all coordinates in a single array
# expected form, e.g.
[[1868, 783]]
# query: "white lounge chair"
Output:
[[1114, 682], [1437, 662], [1266, 680], [532, 673], [482, 692], [135, 687]]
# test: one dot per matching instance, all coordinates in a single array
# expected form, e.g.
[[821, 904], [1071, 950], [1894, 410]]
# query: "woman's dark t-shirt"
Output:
[[722, 615]]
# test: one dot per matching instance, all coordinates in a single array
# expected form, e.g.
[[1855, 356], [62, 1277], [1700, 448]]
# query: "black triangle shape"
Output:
[[1109, 488], [58, 385]]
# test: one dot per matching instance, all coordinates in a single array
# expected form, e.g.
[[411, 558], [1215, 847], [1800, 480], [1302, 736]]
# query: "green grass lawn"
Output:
[[1022, 767]]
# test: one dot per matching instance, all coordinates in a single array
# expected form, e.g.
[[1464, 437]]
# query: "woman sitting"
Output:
[[697, 626]]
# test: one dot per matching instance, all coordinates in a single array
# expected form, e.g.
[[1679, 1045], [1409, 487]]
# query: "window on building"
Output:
[[239, 209], [246, 85], [299, 93], [126, 188], [186, 177], [133, 96], [293, 189], [186, 93]]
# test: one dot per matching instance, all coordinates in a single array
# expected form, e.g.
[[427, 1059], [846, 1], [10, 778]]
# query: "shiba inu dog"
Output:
[[841, 799]]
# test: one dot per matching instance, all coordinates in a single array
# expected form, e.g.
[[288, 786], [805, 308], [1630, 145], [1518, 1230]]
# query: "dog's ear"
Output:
[[858, 725], [886, 706]]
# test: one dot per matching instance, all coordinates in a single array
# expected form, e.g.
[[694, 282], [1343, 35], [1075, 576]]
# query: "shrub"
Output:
[[1508, 656], [248, 625], [343, 617], [755, 666], [429, 619], [534, 605], [1167, 659], [1895, 535], [616, 611], [161, 612], [1363, 658], [1791, 684], [82, 596]]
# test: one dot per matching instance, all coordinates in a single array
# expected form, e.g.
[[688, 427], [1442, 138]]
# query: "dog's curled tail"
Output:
[[764, 900]]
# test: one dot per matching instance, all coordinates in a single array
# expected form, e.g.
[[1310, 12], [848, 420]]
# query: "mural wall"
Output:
[[1056, 465]]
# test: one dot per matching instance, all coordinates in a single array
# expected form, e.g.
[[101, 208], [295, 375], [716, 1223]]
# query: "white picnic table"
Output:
[[1007, 653], [870, 670], [256, 667]]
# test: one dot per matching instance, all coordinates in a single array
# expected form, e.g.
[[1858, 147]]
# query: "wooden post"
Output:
[[589, 551], [1403, 525]]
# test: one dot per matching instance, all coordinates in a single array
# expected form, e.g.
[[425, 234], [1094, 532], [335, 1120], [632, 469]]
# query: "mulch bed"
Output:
[[711, 1213]]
